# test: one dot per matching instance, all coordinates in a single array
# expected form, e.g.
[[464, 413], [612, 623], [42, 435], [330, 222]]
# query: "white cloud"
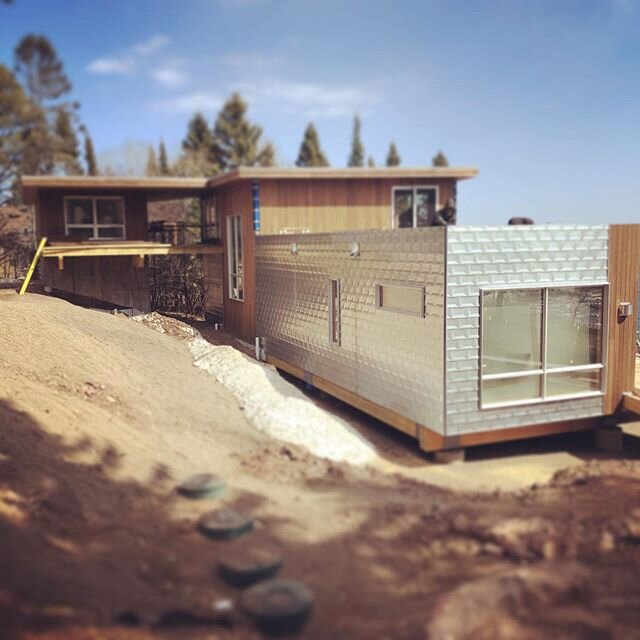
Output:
[[128, 62], [189, 102], [152, 45], [124, 65], [312, 100], [170, 77], [250, 61]]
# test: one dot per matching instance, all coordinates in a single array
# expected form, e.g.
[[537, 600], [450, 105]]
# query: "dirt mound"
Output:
[[100, 418]]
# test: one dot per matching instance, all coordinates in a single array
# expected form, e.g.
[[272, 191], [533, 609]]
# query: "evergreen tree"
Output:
[[198, 136], [393, 158], [440, 160], [152, 163], [236, 141], [356, 158], [89, 154], [371, 162], [20, 122], [66, 152], [163, 161], [40, 70], [311, 154]]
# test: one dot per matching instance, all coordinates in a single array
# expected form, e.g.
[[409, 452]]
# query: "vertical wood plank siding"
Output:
[[624, 268]]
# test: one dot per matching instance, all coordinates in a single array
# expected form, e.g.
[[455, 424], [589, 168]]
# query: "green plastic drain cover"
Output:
[[202, 485], [278, 605], [224, 524], [247, 565]]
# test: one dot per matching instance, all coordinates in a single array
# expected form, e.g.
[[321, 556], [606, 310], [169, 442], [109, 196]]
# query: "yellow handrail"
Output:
[[32, 266]]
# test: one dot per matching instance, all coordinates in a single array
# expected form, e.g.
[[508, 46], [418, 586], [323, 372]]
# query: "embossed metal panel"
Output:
[[392, 358], [510, 257]]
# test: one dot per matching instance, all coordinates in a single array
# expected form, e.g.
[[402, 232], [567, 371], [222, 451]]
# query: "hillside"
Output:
[[100, 418]]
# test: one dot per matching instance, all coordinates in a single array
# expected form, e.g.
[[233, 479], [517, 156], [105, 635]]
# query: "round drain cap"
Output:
[[202, 485], [247, 565], [224, 524], [278, 605]]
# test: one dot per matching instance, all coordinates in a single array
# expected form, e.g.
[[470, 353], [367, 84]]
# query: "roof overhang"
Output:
[[155, 188], [329, 173]]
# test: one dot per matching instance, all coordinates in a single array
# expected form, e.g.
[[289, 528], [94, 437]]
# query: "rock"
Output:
[[202, 485], [224, 524], [247, 565]]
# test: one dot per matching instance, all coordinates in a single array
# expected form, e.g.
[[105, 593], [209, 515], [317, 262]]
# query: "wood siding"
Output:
[[624, 272], [239, 317], [50, 212], [334, 204], [112, 280]]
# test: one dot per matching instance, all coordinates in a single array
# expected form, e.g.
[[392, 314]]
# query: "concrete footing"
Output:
[[609, 439], [449, 455]]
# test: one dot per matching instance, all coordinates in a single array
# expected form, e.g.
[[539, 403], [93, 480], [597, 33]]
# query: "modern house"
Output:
[[104, 221], [347, 279]]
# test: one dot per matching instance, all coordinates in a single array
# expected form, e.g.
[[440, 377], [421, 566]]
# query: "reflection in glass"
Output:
[[511, 389], [403, 208], [573, 382]]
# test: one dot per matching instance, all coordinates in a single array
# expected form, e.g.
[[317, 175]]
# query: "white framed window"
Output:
[[235, 262], [413, 206], [408, 299], [541, 343], [94, 217]]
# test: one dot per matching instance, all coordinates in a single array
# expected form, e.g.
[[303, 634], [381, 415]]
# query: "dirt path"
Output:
[[100, 417]]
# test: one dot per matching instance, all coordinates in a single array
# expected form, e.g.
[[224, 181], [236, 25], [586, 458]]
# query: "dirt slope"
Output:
[[100, 417]]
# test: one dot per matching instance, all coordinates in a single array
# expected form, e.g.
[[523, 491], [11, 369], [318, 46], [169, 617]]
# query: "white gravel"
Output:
[[271, 404]]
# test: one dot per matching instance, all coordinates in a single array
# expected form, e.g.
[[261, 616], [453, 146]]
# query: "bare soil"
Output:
[[100, 418]]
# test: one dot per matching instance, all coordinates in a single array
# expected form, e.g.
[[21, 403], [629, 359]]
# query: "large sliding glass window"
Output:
[[541, 344], [414, 206], [235, 260], [94, 218]]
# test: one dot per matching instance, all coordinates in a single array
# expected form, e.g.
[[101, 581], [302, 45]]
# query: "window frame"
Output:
[[414, 188], [232, 249], [544, 370], [416, 314], [95, 226]]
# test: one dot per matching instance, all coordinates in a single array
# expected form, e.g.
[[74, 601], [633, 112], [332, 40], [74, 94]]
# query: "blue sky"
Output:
[[543, 97]]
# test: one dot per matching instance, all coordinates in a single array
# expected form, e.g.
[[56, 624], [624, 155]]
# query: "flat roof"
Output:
[[168, 188], [329, 173], [161, 188]]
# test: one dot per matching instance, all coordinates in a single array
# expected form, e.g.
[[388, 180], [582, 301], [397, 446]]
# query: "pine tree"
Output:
[[236, 141], [20, 123], [163, 161], [311, 154], [66, 152], [393, 158], [89, 154], [356, 158], [440, 160], [40, 70], [198, 136], [371, 162], [152, 163]]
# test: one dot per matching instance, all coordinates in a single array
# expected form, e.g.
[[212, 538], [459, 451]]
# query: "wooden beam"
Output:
[[84, 251]]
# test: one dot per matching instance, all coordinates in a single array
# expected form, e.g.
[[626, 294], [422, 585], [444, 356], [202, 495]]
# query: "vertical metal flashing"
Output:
[[445, 338]]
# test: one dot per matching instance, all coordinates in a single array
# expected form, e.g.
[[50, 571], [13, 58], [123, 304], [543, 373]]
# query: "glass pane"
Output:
[[80, 232], [574, 382], [403, 208], [511, 389], [239, 236], [405, 299], [425, 207], [79, 210], [574, 326], [110, 211], [111, 232], [511, 331], [240, 288]]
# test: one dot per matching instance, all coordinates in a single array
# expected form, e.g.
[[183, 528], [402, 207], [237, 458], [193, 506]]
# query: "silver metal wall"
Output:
[[391, 358], [510, 256]]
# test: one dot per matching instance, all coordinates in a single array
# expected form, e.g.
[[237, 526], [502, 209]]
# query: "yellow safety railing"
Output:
[[32, 266]]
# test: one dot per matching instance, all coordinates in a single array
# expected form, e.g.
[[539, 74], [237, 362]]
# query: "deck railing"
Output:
[[183, 233]]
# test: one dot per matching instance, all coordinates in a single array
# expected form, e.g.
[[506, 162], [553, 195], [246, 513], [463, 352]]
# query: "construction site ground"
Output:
[[101, 417]]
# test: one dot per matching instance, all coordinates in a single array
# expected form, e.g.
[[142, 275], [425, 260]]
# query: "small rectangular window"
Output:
[[414, 206], [333, 292], [93, 218], [401, 298], [234, 256]]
